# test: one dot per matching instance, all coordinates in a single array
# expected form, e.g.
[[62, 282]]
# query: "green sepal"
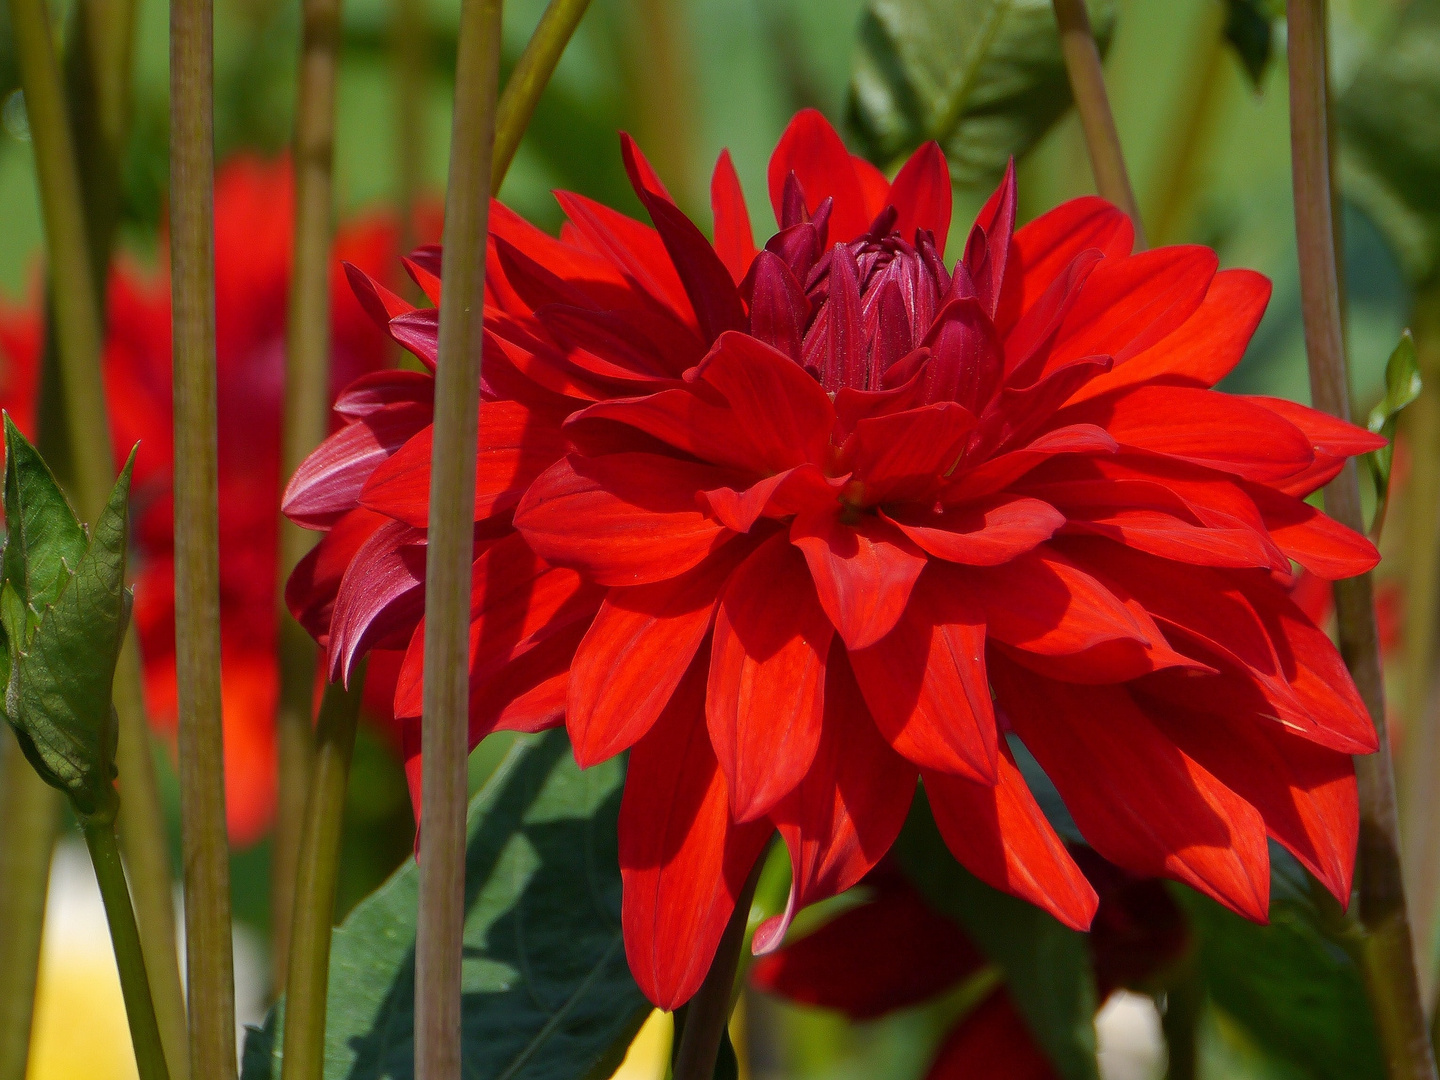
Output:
[[1402, 386], [62, 661]]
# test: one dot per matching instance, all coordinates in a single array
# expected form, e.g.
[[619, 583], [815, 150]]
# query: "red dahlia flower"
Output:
[[803, 524], [253, 233], [893, 951]]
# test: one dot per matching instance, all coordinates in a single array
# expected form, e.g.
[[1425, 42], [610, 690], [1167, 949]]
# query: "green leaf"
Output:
[[44, 538], [984, 78], [58, 698], [1389, 118], [547, 992], [1047, 966], [1250, 30], [1297, 992]]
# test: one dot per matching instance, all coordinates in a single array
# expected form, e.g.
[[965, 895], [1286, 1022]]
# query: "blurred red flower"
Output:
[[254, 219], [893, 951], [800, 525]]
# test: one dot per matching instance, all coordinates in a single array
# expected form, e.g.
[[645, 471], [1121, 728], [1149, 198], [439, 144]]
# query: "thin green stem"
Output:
[[29, 817], [307, 396], [75, 300], [410, 39], [1087, 84], [209, 961], [528, 81], [125, 937], [709, 1010], [319, 865], [1387, 954], [445, 708]]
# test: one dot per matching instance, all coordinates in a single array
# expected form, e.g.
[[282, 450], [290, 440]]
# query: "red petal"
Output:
[[1306, 793], [792, 491], [999, 472], [848, 810], [517, 444], [328, 483], [1043, 603], [1132, 303], [873, 186], [682, 862], [906, 455], [765, 701], [985, 533], [643, 176], [1042, 250], [1138, 799], [635, 653], [922, 196], [811, 149], [780, 410], [999, 833], [626, 519], [1207, 347], [925, 681], [887, 954], [383, 390], [734, 240], [1334, 440], [312, 585], [381, 595], [864, 572], [1319, 543], [379, 303], [987, 251], [1201, 426]]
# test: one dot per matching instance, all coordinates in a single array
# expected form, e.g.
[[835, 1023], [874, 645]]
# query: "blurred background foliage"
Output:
[[1199, 93]]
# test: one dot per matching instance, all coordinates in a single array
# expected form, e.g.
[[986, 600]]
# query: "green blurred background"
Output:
[[1208, 152]]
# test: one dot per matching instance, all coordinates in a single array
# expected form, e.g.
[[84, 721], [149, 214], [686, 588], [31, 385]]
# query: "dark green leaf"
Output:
[[547, 992], [1047, 966], [44, 539], [1296, 991], [58, 698], [1390, 120], [1402, 386], [984, 78], [1249, 28]]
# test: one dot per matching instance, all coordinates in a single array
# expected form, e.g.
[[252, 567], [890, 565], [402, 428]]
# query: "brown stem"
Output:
[[445, 708], [307, 395], [1387, 952], [1421, 551], [208, 959], [709, 1010], [1087, 84]]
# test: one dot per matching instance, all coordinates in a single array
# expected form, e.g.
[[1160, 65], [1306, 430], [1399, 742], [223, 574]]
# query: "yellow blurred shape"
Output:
[[649, 1055], [79, 1030]]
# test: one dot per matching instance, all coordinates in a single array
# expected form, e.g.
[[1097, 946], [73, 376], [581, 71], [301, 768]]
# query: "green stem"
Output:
[[1087, 84], [77, 150], [319, 865], [307, 397], [528, 81], [29, 817], [410, 34], [125, 937], [76, 303], [1387, 955], [445, 708], [709, 1010], [209, 961]]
